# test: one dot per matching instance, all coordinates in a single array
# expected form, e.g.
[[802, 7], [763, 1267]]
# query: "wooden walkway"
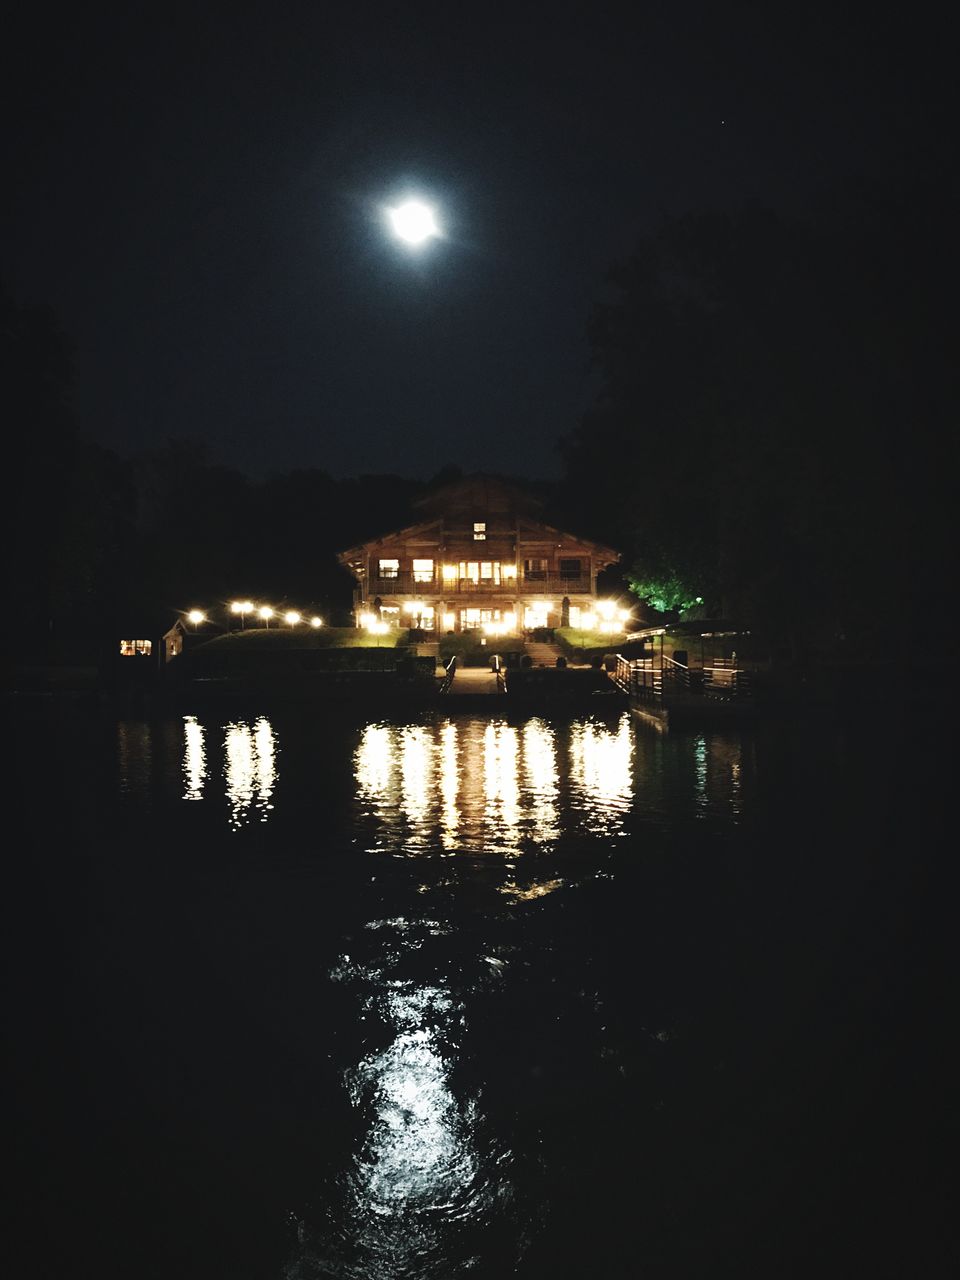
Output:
[[475, 682]]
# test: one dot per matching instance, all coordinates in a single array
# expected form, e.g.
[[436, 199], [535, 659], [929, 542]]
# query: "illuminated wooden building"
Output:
[[480, 558]]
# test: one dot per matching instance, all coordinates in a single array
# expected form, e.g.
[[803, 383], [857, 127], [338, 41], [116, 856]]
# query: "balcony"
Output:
[[548, 584]]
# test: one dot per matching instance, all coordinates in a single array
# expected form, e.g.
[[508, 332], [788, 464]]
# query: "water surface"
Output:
[[303, 995]]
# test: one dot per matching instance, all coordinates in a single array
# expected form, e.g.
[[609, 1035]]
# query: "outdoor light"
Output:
[[606, 608], [266, 613], [292, 617], [413, 222], [243, 607], [450, 571], [449, 620], [196, 616], [624, 614], [316, 622], [508, 570], [411, 606]]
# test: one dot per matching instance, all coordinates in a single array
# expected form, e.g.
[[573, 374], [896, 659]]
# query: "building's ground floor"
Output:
[[506, 615]]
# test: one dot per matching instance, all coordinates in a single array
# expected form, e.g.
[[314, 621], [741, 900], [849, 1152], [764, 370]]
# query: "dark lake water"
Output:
[[297, 995]]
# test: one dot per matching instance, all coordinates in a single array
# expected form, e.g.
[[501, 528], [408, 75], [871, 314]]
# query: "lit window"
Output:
[[474, 619], [479, 530], [490, 571], [508, 571], [136, 648], [470, 569], [423, 570], [389, 568]]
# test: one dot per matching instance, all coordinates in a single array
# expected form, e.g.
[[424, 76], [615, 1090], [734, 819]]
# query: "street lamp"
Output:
[[266, 613], [242, 607], [196, 616], [292, 617], [316, 622]]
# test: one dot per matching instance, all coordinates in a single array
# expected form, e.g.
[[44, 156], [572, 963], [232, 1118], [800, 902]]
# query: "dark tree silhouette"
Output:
[[771, 431]]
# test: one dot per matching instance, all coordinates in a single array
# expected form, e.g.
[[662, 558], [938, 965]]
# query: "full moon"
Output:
[[413, 222]]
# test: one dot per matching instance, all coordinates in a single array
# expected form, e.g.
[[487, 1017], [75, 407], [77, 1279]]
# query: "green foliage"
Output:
[[469, 650], [665, 594]]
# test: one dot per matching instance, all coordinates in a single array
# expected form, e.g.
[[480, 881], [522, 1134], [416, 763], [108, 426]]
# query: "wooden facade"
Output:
[[480, 559]]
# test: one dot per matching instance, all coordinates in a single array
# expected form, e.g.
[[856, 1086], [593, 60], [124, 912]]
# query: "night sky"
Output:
[[198, 194]]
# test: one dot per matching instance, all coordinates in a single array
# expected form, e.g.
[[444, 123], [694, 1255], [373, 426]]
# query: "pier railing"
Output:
[[450, 670], [652, 679]]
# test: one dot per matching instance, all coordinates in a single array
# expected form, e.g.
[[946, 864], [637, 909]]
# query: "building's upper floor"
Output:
[[480, 535]]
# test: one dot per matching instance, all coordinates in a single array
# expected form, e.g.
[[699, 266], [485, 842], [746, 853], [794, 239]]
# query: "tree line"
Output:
[[775, 431], [772, 442]]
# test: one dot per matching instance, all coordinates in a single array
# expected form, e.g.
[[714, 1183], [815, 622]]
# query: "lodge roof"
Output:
[[480, 493], [483, 490]]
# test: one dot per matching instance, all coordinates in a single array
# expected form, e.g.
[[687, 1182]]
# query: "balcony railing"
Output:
[[549, 584]]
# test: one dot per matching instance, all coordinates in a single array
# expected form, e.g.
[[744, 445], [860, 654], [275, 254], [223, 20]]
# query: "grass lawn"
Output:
[[281, 639], [584, 646]]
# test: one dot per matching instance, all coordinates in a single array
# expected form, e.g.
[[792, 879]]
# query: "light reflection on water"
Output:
[[425, 1180], [194, 759], [427, 1177], [469, 785], [250, 770], [485, 786]]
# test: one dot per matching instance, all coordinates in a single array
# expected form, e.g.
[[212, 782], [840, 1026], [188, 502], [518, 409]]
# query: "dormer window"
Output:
[[479, 530]]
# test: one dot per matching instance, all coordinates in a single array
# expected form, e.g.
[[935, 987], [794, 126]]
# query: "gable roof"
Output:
[[485, 492]]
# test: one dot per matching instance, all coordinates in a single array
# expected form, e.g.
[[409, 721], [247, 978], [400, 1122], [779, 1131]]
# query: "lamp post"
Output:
[[242, 607], [196, 616], [266, 613]]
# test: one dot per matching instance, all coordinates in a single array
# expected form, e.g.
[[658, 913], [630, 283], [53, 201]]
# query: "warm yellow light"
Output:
[[196, 616], [316, 622], [366, 619], [508, 570], [379, 628], [510, 622], [623, 614], [411, 606], [606, 608], [588, 621], [450, 571], [292, 617], [265, 611], [449, 620], [608, 628], [241, 606]]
